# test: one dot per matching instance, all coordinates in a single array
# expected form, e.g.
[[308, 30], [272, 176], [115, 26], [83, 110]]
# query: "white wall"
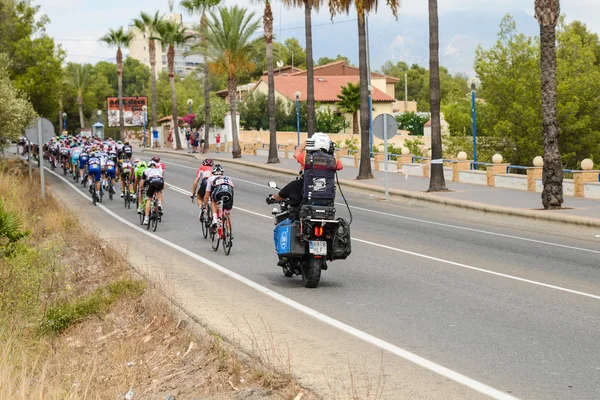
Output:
[[474, 177], [591, 190], [511, 181]]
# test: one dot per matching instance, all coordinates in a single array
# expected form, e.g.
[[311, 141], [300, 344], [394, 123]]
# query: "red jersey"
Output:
[[161, 166], [204, 171]]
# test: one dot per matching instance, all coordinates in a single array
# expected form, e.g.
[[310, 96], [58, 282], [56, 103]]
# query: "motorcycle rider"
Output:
[[320, 166]]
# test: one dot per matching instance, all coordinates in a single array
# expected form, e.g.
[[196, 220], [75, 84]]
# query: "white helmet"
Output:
[[318, 141]]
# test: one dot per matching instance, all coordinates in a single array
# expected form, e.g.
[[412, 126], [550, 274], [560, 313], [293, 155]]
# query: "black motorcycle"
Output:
[[307, 237]]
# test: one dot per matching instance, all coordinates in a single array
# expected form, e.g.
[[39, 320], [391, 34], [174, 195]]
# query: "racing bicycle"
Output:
[[222, 233]]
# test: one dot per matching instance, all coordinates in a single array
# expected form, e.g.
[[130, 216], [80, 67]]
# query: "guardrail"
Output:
[[478, 163], [518, 167]]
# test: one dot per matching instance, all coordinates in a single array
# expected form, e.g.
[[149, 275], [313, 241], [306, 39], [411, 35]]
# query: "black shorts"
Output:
[[225, 193], [202, 188], [155, 185], [64, 156], [125, 176]]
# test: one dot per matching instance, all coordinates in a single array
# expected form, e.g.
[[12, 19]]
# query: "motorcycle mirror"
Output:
[[273, 185]]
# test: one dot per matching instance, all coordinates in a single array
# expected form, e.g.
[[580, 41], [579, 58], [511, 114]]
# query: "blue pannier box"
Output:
[[286, 239]]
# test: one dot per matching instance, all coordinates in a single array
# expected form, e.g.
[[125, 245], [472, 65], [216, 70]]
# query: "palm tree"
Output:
[[148, 23], [119, 38], [78, 76], [437, 182], [350, 103], [268, 27], [231, 50], [309, 5], [547, 12], [362, 8], [171, 34], [201, 7]]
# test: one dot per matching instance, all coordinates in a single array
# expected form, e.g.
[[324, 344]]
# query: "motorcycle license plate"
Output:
[[318, 248]]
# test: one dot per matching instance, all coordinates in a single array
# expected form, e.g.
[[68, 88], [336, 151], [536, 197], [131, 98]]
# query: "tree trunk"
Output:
[[152, 50], [436, 182], [60, 112], [268, 23], [552, 173], [364, 170], [120, 89], [355, 129], [80, 105], [310, 74], [206, 96], [232, 88], [175, 122]]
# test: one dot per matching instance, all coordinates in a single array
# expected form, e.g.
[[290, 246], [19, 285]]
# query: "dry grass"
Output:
[[111, 339]]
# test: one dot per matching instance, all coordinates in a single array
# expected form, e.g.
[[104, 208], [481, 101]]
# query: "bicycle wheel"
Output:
[[110, 194], [150, 218], [214, 237], [227, 242], [205, 227], [126, 199], [154, 223], [142, 215]]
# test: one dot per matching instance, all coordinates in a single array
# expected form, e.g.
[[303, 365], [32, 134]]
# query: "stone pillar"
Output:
[[342, 152], [582, 177], [458, 166], [378, 160], [533, 173], [357, 159], [493, 170]]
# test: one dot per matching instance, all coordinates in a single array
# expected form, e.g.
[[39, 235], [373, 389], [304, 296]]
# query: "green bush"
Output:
[[415, 146]]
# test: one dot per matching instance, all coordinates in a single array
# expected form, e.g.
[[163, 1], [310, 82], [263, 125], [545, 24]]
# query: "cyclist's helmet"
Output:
[[151, 164], [156, 159], [136, 160], [208, 162], [218, 170]]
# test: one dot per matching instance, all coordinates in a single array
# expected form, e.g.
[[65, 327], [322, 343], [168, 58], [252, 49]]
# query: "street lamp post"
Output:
[[371, 120], [190, 102], [99, 114], [298, 115], [474, 116], [64, 121], [145, 111]]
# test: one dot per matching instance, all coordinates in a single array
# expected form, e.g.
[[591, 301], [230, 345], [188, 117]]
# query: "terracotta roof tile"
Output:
[[327, 88]]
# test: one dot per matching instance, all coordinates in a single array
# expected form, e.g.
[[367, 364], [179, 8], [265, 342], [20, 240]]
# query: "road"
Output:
[[512, 305]]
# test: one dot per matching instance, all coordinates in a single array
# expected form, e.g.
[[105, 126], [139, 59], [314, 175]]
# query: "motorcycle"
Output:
[[305, 239]]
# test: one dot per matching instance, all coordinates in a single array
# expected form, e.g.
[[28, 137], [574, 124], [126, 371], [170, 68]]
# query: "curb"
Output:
[[431, 198]]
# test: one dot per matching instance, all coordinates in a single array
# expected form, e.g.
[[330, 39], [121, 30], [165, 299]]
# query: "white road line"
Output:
[[564, 246], [441, 260], [405, 354]]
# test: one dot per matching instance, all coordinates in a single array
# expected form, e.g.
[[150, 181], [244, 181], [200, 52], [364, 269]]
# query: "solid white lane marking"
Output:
[[440, 223], [415, 359], [441, 260]]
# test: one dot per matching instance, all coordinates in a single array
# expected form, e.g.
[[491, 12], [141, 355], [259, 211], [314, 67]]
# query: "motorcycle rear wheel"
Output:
[[311, 272]]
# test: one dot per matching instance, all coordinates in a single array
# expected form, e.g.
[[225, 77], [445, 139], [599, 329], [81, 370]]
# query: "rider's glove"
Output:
[[271, 200]]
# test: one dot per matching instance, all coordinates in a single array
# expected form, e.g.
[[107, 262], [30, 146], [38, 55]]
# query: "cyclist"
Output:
[[53, 149], [139, 170], [125, 172], [202, 175], [111, 173], [159, 165], [127, 150], [84, 157], [219, 187], [75, 153], [94, 171], [153, 180], [64, 155]]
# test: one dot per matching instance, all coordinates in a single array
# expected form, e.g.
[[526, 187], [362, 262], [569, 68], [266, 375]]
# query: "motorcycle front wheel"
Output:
[[311, 272]]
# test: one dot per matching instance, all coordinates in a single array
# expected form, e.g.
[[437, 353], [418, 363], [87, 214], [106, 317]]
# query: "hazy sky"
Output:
[[77, 24]]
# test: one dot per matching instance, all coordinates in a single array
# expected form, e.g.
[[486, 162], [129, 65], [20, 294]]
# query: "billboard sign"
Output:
[[132, 110]]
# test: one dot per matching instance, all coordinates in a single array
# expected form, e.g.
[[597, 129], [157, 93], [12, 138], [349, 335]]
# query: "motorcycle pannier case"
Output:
[[287, 239]]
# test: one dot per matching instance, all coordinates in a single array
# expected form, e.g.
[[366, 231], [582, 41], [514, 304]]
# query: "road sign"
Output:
[[47, 131], [385, 121], [385, 127]]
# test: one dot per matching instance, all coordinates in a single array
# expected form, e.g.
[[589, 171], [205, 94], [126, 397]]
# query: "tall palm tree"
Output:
[[78, 76], [309, 5], [547, 12], [437, 182], [172, 34], [363, 7], [268, 28], [231, 52], [201, 7], [119, 38], [349, 102], [148, 23]]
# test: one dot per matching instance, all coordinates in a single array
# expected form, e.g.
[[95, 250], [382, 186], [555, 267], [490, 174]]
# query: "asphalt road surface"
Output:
[[514, 305]]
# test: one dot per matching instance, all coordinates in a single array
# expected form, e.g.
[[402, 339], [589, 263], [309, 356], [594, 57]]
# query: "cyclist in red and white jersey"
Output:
[[202, 175], [159, 165]]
